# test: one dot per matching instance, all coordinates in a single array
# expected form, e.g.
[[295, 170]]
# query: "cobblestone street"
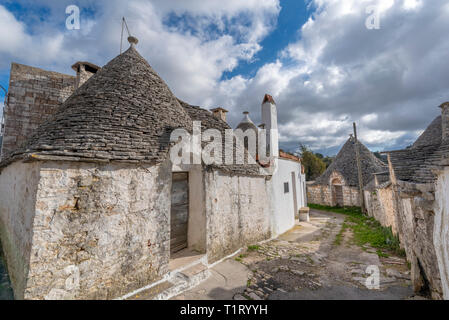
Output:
[[306, 263]]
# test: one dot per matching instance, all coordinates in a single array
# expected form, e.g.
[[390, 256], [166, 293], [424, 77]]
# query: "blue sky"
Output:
[[292, 16], [324, 68]]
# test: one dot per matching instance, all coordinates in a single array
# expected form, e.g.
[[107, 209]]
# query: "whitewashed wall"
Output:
[[237, 211], [98, 231], [283, 217], [18, 186], [441, 229]]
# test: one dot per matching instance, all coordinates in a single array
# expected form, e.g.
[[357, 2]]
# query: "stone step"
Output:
[[184, 280], [151, 293]]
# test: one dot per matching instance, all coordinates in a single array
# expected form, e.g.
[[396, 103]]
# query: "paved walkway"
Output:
[[305, 263]]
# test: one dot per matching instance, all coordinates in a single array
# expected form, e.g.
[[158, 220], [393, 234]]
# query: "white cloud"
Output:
[[11, 40], [390, 80], [192, 59], [412, 4]]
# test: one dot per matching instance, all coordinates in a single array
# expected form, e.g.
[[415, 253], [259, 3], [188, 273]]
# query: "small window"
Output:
[[286, 188]]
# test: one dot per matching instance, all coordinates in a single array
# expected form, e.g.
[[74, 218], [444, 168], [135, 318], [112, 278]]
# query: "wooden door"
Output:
[[338, 196], [179, 211]]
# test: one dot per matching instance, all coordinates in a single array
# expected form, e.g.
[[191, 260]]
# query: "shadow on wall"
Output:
[[6, 292]]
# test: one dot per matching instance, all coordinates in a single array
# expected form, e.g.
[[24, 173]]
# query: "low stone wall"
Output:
[[318, 194], [441, 229], [410, 210], [415, 226], [380, 205], [99, 231], [351, 196], [322, 194], [238, 212]]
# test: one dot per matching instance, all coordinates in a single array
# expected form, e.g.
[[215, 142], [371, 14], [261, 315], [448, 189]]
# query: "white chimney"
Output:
[[270, 119]]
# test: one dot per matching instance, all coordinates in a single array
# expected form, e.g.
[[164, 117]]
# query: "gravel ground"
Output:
[[305, 263]]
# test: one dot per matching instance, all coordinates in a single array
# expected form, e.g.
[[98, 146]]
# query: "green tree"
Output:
[[313, 165], [327, 161]]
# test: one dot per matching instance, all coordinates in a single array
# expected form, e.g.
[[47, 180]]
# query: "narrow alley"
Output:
[[308, 262]]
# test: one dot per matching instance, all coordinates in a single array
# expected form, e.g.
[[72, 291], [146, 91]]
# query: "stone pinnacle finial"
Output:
[[133, 41], [444, 105]]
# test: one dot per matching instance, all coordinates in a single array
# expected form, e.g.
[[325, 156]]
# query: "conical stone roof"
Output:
[[124, 112], [246, 123], [432, 135], [345, 163], [416, 164]]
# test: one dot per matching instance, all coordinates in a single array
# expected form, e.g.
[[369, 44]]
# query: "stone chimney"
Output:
[[84, 70], [445, 121], [219, 113]]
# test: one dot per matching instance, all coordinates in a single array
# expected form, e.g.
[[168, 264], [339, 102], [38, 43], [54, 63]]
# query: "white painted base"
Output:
[[304, 217]]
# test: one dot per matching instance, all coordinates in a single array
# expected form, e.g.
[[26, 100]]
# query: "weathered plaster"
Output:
[[410, 210], [441, 229], [238, 212], [18, 187], [100, 231], [381, 206], [283, 216]]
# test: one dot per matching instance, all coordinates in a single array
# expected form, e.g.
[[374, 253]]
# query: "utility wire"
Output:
[[124, 24]]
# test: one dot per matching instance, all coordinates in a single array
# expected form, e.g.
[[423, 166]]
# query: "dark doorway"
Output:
[[179, 211], [337, 192]]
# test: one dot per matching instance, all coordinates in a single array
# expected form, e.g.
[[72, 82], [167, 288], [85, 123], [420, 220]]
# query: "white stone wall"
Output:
[[18, 186], [100, 231], [283, 203], [441, 229], [237, 211]]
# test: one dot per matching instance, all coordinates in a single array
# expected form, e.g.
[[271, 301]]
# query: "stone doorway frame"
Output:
[[337, 192], [197, 223]]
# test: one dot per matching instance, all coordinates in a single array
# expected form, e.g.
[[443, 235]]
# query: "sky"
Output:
[[323, 66]]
